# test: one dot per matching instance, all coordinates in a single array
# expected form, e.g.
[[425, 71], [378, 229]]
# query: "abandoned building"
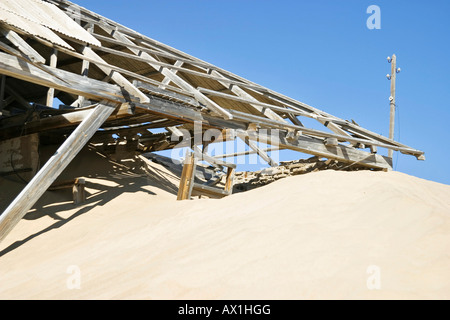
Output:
[[115, 84]]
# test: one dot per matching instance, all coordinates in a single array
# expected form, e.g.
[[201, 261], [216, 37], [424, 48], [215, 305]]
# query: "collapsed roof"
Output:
[[113, 80]]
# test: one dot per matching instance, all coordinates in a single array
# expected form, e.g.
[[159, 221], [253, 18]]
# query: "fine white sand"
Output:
[[324, 235]]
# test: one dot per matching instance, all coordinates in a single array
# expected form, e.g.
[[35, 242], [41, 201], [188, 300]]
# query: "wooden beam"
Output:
[[166, 79], [22, 45], [276, 124], [245, 153], [243, 136], [52, 169], [51, 91], [316, 147], [229, 181], [22, 102], [187, 177], [155, 90], [66, 120], [243, 94], [176, 79], [116, 77], [97, 90], [172, 53]]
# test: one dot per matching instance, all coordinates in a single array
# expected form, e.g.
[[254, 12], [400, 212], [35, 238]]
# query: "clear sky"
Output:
[[322, 53]]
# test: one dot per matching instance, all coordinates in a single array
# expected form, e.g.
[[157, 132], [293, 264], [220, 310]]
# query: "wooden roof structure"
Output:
[[114, 80]]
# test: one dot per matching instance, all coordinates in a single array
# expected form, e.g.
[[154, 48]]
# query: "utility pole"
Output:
[[392, 77]]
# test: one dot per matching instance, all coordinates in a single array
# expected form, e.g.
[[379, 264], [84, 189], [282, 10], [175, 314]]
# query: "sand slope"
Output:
[[307, 237]]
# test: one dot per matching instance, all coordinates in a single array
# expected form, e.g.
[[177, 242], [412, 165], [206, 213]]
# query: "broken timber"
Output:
[[158, 87], [53, 168], [188, 186]]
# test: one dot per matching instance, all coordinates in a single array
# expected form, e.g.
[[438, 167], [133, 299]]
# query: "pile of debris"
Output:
[[245, 181]]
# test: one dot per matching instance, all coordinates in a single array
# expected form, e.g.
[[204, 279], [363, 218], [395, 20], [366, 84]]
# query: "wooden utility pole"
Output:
[[392, 77]]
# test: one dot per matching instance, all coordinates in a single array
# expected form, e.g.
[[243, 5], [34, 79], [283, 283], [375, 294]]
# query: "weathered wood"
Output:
[[116, 77], [51, 91], [202, 189], [13, 67], [22, 103], [202, 156], [52, 169], [316, 147], [392, 102], [331, 142], [166, 79], [177, 80], [260, 152], [78, 191], [285, 126], [245, 153], [22, 45], [229, 181], [70, 119], [167, 94], [187, 177], [243, 94]]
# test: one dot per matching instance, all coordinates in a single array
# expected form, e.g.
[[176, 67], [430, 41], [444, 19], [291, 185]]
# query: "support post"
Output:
[[51, 91], [53, 168], [187, 177], [392, 102]]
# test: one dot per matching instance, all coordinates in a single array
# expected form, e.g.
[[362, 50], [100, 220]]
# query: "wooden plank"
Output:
[[245, 153], [201, 156], [187, 177], [52, 169], [200, 189], [166, 94], [75, 84], [176, 79], [250, 101], [316, 147], [243, 94], [22, 45], [284, 126], [260, 152], [116, 77], [78, 191], [51, 91], [24, 104], [229, 181], [166, 79], [70, 119]]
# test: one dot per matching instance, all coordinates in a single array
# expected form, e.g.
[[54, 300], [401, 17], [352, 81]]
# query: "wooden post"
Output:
[[51, 91], [229, 182], [187, 177], [79, 194], [53, 168], [392, 102]]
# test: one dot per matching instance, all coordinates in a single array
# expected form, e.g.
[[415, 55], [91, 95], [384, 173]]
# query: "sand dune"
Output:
[[324, 235]]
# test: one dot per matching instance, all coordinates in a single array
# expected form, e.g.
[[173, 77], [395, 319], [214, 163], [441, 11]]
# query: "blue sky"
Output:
[[322, 53]]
